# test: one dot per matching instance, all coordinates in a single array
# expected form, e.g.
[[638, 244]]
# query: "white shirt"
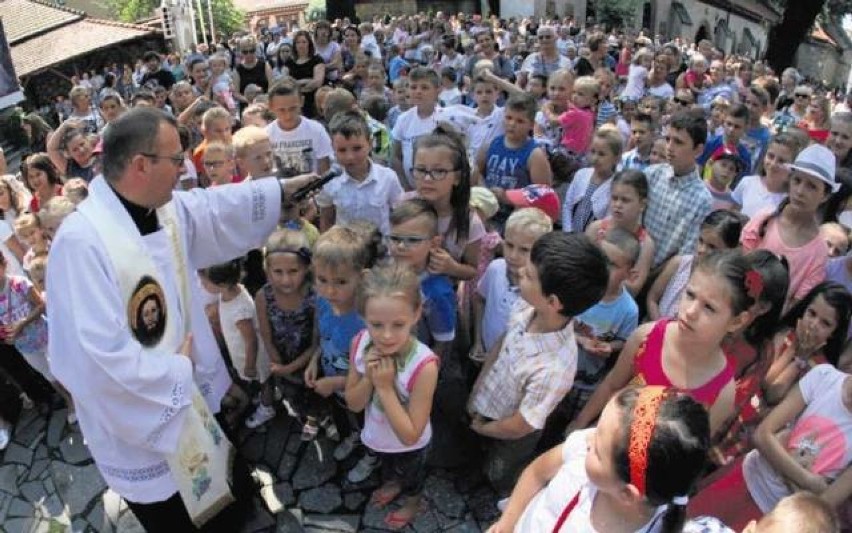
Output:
[[451, 96], [129, 402], [301, 148], [636, 78], [230, 313], [819, 440], [482, 133], [500, 298], [370, 199], [546, 507], [410, 126], [664, 91], [752, 196], [13, 266]]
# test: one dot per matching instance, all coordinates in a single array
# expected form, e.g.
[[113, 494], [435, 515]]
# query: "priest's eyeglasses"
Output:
[[177, 160]]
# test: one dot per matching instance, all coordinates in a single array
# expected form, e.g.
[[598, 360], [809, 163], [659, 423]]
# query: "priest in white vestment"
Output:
[[128, 334]]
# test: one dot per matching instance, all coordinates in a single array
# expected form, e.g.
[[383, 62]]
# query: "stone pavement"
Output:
[[49, 483]]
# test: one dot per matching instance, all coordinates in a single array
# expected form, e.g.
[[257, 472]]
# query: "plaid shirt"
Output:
[[632, 160], [532, 373], [677, 205]]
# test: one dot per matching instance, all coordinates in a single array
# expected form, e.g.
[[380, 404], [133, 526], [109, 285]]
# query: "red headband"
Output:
[[642, 431]]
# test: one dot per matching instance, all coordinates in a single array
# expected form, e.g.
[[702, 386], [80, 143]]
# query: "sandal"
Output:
[[310, 429], [382, 496], [331, 432], [396, 520]]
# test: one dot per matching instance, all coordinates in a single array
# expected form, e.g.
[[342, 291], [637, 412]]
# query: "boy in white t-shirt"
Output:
[[423, 87], [497, 291], [300, 145]]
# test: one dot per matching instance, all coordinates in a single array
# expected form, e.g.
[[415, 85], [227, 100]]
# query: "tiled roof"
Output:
[[24, 18], [252, 6], [69, 41]]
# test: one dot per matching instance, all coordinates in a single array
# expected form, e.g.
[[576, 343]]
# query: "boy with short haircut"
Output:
[[526, 375], [513, 160], [215, 127], [724, 169], [366, 190], [497, 290], [300, 145], [253, 152], [729, 141], [490, 126], [340, 101], [400, 102], [601, 332], [220, 163], [756, 137], [678, 201], [450, 93], [642, 140], [420, 120], [413, 235]]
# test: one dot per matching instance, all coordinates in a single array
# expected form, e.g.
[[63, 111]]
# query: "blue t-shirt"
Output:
[[605, 321], [438, 323], [395, 68], [756, 142], [716, 145], [336, 333]]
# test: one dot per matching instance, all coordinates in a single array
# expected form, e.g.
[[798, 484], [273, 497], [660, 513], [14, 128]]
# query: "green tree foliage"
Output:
[[226, 16]]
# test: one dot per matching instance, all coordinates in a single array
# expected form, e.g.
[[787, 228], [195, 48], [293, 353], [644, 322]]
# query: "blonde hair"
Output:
[[248, 137], [588, 85], [396, 280], [27, 221], [612, 137], [341, 247], [213, 114], [38, 268], [56, 209], [530, 220], [220, 148], [288, 241], [642, 54], [561, 73], [77, 92], [76, 190], [802, 512]]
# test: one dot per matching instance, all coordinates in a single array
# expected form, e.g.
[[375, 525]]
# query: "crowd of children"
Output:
[[631, 310]]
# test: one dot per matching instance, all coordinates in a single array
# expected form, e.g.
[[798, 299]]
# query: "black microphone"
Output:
[[313, 186]]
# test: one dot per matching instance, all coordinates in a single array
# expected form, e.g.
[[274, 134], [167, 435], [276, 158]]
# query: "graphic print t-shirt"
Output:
[[820, 441], [299, 149]]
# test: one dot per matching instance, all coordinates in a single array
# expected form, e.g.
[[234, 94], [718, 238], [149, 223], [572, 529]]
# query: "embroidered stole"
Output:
[[201, 465]]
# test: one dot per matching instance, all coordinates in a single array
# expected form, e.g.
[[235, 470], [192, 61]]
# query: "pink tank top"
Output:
[[648, 368]]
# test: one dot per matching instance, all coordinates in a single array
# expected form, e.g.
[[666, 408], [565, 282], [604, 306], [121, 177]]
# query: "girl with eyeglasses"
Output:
[[441, 173]]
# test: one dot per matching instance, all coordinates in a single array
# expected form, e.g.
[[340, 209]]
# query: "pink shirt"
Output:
[[577, 127], [807, 263]]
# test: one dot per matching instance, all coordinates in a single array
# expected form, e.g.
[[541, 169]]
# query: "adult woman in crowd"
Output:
[[37, 131], [657, 84], [350, 48], [199, 73], [308, 69], [817, 118], [282, 56], [328, 50], [251, 69]]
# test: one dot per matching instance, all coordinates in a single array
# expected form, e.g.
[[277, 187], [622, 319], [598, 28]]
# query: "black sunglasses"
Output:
[[681, 101]]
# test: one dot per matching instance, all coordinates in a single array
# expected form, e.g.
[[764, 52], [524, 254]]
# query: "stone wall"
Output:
[[822, 62]]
